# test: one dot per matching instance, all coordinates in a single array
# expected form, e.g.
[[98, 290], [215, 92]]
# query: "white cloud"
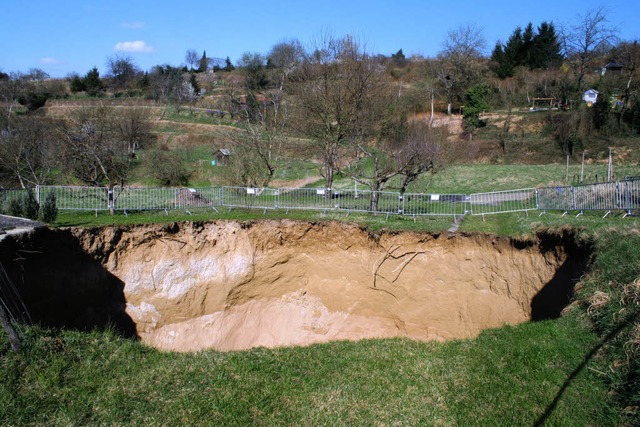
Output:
[[134, 46], [133, 25], [52, 61]]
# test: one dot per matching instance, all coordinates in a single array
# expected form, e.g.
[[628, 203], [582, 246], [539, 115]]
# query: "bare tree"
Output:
[[134, 126], [95, 150], [28, 150], [259, 150], [192, 59], [122, 71], [285, 56], [335, 89], [583, 41], [460, 61]]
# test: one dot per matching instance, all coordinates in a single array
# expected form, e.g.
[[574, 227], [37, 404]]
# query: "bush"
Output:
[[167, 168], [13, 206], [49, 209], [30, 206]]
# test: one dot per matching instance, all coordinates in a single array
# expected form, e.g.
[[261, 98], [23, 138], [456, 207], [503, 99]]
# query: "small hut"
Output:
[[221, 156]]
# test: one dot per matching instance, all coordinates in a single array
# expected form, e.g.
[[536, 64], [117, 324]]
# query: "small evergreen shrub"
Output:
[[49, 209], [30, 206], [13, 206]]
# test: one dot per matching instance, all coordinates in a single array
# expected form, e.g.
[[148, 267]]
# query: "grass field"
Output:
[[510, 376], [582, 369]]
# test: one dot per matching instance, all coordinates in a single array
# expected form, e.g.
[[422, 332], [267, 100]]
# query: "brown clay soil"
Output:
[[229, 285]]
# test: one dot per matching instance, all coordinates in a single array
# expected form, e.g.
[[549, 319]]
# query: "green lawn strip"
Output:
[[508, 376]]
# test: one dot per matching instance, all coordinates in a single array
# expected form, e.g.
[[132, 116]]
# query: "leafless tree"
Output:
[[122, 70], [28, 150], [135, 126], [96, 150], [461, 61], [259, 149], [192, 59], [336, 88], [285, 57], [583, 41]]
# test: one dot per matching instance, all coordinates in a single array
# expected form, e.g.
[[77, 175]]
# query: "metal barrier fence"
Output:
[[76, 198], [523, 200], [609, 196], [7, 194]]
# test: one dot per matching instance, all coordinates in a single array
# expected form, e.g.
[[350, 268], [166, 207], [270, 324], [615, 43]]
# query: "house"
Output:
[[590, 97], [612, 68], [221, 156]]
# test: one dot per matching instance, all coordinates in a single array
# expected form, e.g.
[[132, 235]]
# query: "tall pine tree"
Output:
[[545, 52], [529, 49]]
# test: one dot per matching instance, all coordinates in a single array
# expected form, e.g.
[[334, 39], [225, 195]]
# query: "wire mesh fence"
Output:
[[608, 196]]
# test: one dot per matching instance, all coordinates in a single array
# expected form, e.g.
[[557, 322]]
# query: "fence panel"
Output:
[[434, 204], [138, 199], [76, 198], [603, 196], [559, 198], [305, 198], [503, 202], [631, 194], [11, 193], [250, 198]]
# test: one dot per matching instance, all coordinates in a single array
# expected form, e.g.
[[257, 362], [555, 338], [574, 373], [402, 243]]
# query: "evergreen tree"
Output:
[[527, 49], [92, 82], [228, 66], [545, 52], [204, 63], [193, 80], [524, 54], [507, 57], [399, 59], [49, 210], [76, 83]]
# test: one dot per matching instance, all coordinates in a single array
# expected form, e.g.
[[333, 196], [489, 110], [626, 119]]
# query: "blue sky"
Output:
[[75, 35]]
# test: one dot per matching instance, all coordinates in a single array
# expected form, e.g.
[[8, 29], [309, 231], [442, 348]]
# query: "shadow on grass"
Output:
[[627, 322]]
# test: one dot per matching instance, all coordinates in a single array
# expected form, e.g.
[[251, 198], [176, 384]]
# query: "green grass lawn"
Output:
[[510, 376]]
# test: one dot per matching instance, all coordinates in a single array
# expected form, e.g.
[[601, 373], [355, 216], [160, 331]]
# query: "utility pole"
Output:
[[582, 167], [610, 168]]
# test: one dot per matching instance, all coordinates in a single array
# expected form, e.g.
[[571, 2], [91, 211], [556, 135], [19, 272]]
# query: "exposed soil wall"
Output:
[[231, 285]]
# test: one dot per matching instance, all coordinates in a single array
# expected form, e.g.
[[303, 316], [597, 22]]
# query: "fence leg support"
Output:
[[188, 212], [565, 212], [542, 213], [605, 215], [482, 217], [581, 213]]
